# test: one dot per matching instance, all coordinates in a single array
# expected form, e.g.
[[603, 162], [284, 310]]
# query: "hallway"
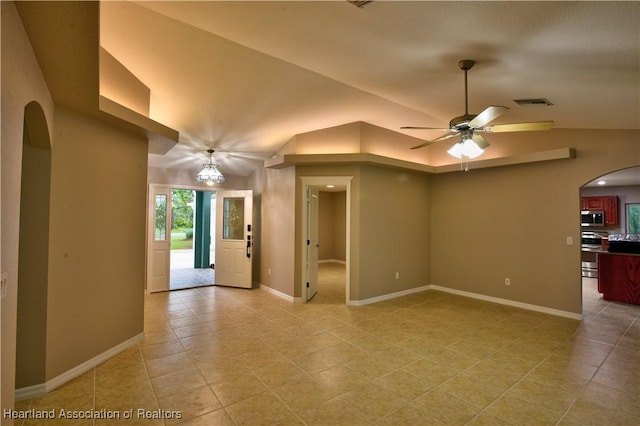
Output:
[[331, 284]]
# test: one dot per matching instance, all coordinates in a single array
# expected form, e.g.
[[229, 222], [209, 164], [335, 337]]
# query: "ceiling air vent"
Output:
[[533, 102], [360, 4]]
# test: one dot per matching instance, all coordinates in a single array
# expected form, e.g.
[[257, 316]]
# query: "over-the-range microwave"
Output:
[[592, 218]]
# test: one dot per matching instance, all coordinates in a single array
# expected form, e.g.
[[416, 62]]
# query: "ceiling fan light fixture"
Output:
[[466, 148], [210, 173]]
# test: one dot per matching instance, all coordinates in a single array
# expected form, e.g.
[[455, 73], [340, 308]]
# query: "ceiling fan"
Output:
[[468, 126]]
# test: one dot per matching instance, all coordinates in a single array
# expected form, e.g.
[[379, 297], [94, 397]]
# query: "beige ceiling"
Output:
[[245, 77]]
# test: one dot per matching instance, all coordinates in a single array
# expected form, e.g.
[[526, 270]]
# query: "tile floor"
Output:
[[184, 278], [223, 356], [183, 275]]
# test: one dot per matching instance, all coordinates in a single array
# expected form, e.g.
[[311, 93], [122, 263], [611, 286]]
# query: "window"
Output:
[[160, 220], [233, 219]]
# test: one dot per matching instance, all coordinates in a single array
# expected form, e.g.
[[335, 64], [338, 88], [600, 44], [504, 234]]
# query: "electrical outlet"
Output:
[[507, 281], [569, 241], [397, 275]]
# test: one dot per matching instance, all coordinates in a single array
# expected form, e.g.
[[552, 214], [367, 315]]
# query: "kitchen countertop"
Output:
[[600, 251]]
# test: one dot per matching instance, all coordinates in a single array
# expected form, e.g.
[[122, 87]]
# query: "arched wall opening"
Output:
[[617, 195], [623, 183], [33, 255]]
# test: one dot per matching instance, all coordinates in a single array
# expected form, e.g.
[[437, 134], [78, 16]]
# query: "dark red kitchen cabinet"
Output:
[[610, 211], [592, 203], [607, 204]]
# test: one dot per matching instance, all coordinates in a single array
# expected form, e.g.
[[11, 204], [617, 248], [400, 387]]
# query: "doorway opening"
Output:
[[203, 230], [192, 251], [615, 195], [326, 213], [332, 238]]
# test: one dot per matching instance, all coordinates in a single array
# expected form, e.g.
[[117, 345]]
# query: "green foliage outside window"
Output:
[[182, 201], [633, 218]]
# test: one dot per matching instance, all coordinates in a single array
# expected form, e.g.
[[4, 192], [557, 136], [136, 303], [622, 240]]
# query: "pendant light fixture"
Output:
[[210, 174]]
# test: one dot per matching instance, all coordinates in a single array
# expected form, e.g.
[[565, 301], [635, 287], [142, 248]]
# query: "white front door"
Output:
[[159, 238], [312, 242], [234, 210]]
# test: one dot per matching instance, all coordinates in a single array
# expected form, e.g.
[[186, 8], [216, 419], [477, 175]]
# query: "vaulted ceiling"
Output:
[[244, 77]]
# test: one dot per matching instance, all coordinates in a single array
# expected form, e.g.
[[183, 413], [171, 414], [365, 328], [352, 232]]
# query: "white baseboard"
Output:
[[388, 296], [521, 305], [31, 392], [515, 304], [277, 293], [507, 302], [43, 388]]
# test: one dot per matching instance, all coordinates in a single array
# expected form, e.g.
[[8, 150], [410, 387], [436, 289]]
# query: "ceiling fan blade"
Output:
[[441, 138], [480, 141], [488, 115], [520, 127]]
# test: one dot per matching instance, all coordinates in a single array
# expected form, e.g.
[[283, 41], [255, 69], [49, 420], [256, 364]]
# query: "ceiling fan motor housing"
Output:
[[462, 122]]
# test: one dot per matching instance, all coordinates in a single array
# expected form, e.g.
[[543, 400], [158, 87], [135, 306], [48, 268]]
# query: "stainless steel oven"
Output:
[[592, 218], [591, 240], [589, 260], [591, 244]]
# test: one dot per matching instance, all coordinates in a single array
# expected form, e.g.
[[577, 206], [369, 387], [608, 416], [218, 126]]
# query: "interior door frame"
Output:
[[320, 182]]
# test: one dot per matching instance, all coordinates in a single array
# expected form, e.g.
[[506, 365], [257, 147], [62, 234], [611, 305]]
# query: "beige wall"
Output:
[[332, 226], [96, 227], [340, 225], [22, 82], [513, 221], [98, 205], [394, 232], [276, 189]]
